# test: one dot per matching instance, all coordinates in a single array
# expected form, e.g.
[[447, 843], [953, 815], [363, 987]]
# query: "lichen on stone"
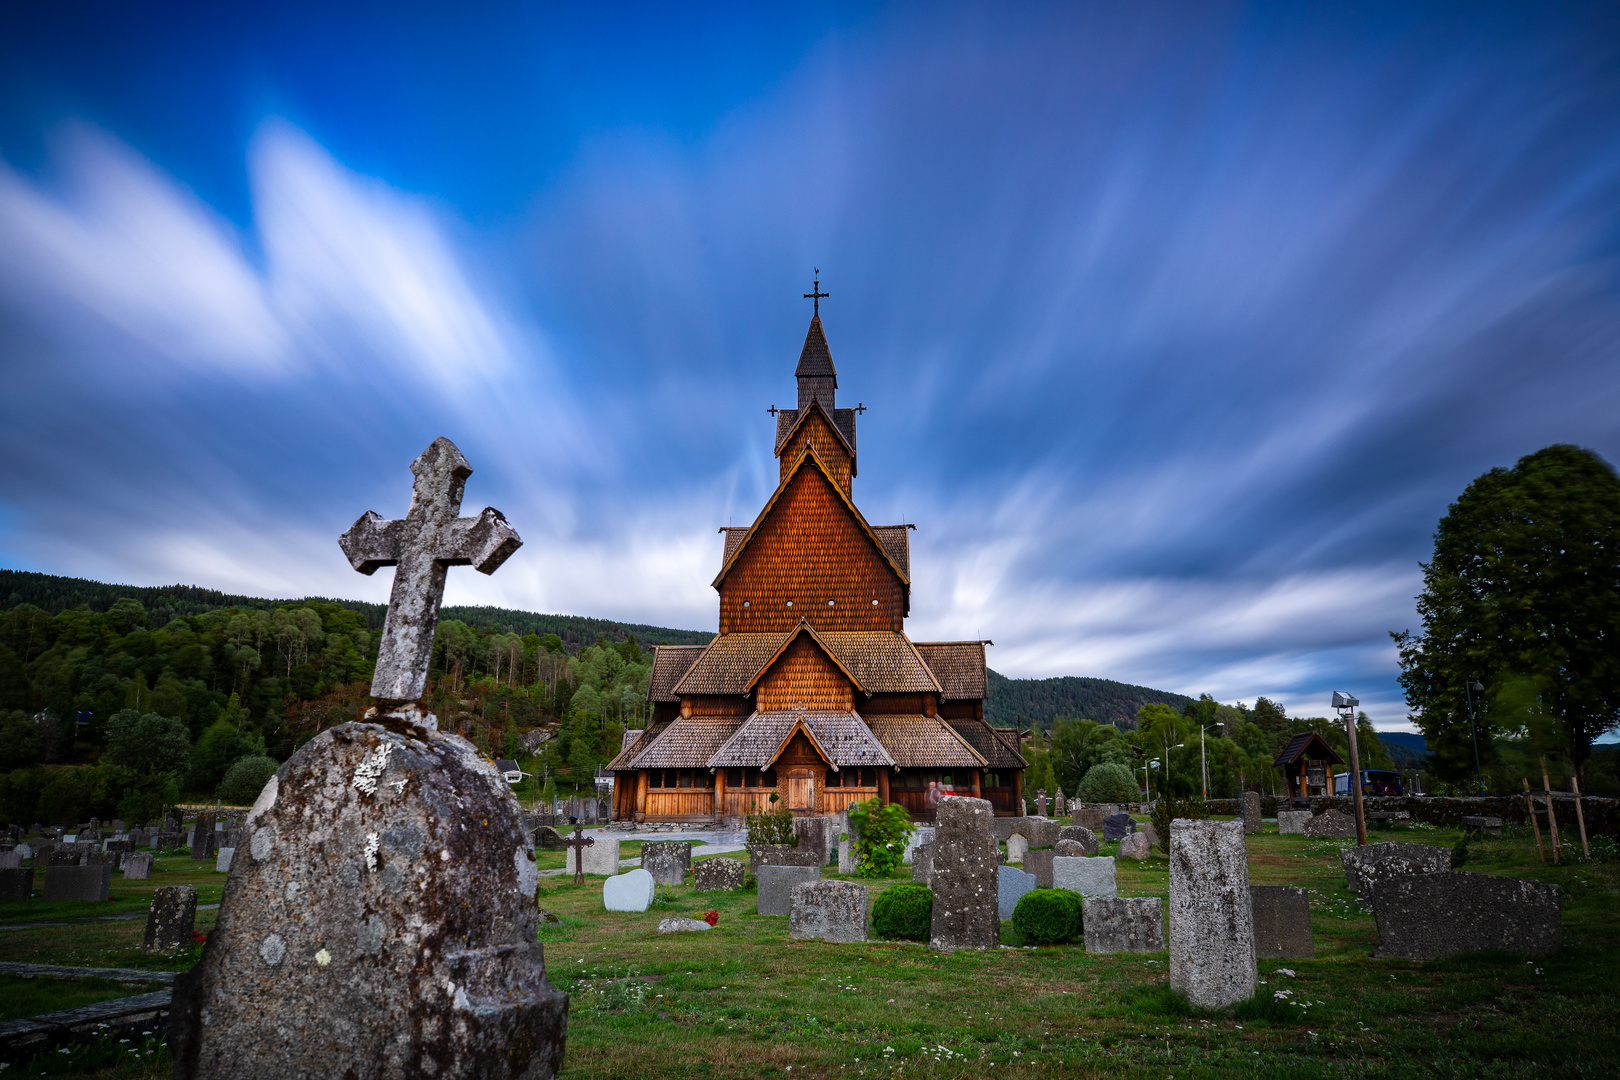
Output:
[[371, 768]]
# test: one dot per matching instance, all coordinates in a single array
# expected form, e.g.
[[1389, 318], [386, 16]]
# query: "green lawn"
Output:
[[742, 1000]]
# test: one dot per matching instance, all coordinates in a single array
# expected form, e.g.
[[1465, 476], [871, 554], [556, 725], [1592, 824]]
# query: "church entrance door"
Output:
[[801, 790]]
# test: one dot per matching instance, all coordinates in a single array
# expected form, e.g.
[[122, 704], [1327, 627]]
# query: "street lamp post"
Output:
[[1469, 688], [1347, 712]]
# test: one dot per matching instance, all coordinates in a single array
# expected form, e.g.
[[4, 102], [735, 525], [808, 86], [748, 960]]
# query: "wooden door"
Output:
[[801, 790]]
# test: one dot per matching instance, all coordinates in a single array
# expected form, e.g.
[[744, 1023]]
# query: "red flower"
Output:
[[711, 917], [199, 935]]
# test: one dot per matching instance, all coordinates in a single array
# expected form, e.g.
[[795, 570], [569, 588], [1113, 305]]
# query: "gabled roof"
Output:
[[999, 750], [881, 661], [842, 737], [729, 663], [687, 743], [635, 746], [784, 432], [670, 664], [804, 628], [959, 666], [923, 742], [1310, 746], [810, 459], [734, 539], [815, 359], [896, 540], [843, 420]]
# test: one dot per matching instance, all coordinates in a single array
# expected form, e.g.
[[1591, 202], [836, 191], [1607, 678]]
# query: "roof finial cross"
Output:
[[815, 292]]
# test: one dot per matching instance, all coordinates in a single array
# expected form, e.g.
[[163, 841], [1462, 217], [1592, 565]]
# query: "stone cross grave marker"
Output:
[[430, 539], [379, 919], [577, 844]]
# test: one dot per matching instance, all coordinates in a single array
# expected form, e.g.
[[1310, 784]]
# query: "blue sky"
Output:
[[1178, 326]]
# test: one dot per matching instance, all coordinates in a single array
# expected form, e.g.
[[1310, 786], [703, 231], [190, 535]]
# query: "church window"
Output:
[[767, 778], [874, 601], [790, 603], [734, 778], [747, 605]]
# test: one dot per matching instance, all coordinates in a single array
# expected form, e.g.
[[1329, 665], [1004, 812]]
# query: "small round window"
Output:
[[790, 603], [874, 603], [747, 605], [832, 603]]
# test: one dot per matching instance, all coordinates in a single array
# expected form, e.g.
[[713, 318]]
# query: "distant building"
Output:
[[811, 690], [510, 770]]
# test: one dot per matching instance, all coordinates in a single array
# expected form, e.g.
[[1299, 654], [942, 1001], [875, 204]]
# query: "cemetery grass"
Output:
[[743, 1001]]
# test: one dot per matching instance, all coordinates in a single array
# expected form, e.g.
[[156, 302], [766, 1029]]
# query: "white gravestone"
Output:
[[1092, 876], [628, 892]]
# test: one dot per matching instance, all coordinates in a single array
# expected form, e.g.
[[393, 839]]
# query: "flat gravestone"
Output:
[[1011, 885], [548, 839], [923, 835], [964, 879], [1040, 832], [67, 855], [1038, 861], [1135, 846], [1292, 821], [1251, 811], [202, 836], [718, 875], [1479, 823], [1211, 919], [138, 867], [834, 911], [1117, 827], [601, 858], [1366, 865], [1429, 916], [1079, 834], [776, 887], [1088, 818], [849, 860], [632, 891], [171, 921], [11, 860], [222, 862], [666, 860], [17, 882], [1088, 877], [682, 926], [1123, 924], [1331, 824], [386, 878], [818, 835], [1016, 847], [78, 882], [1282, 922], [922, 864]]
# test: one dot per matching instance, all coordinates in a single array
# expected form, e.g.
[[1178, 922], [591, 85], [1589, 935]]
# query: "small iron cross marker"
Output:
[[578, 843], [428, 540]]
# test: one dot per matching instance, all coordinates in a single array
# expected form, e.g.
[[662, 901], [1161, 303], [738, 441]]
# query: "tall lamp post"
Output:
[[1347, 712], [1470, 687]]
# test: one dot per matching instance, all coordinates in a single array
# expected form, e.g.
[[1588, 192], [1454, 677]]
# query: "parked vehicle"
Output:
[[1373, 782]]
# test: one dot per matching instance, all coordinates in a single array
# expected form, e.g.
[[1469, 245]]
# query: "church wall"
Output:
[[803, 675], [816, 432], [716, 705], [810, 550], [901, 704]]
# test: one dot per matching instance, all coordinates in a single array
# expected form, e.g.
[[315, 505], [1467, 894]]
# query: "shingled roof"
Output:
[[1309, 745], [687, 743], [730, 662], [879, 661], [842, 420], [632, 747], [959, 666], [670, 664], [918, 742], [896, 540], [842, 736], [815, 359], [882, 661], [999, 750]]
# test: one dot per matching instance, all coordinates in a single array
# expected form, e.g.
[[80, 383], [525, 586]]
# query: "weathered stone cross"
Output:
[[578, 843], [429, 539]]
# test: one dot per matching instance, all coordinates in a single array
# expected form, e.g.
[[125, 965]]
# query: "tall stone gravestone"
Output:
[[1038, 861], [1016, 847], [381, 918], [17, 882], [922, 864], [964, 878], [1040, 803], [1059, 806], [1118, 826], [1011, 885], [202, 836], [601, 857], [1211, 923], [1251, 812], [818, 835], [138, 866], [776, 887], [171, 921]]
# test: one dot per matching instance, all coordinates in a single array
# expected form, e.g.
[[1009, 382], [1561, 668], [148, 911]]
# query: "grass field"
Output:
[[742, 1001]]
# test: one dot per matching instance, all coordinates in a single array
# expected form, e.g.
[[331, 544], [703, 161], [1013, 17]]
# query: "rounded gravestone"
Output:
[[379, 921]]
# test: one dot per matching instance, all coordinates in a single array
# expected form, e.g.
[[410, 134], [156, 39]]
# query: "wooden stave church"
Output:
[[811, 690]]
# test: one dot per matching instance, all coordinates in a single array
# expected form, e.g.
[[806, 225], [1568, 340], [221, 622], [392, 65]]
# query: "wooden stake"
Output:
[[1580, 816], [1552, 821], [1530, 805]]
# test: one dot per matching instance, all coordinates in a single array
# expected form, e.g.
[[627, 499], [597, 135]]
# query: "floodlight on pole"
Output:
[[1470, 688], [1346, 705]]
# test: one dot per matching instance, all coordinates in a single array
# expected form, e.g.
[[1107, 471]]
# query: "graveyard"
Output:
[[744, 999]]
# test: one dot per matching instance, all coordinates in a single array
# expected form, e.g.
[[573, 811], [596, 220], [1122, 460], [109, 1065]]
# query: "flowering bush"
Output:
[[711, 917]]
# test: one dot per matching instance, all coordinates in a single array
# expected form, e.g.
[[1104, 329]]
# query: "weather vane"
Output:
[[816, 294]]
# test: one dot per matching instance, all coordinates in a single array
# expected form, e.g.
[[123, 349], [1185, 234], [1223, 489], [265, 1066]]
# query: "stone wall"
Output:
[[1602, 815]]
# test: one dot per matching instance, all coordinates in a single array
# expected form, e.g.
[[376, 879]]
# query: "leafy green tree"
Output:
[[149, 743], [881, 833], [19, 741], [220, 747], [1109, 782], [1524, 584], [245, 779], [1079, 745], [14, 690]]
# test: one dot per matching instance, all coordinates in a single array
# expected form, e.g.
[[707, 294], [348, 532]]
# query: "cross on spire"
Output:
[[429, 540], [815, 292]]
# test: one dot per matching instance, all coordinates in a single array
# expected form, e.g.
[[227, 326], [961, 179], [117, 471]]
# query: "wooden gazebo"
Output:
[[1308, 763]]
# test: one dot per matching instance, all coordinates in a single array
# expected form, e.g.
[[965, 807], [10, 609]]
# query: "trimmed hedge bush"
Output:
[[1048, 916], [1109, 782], [903, 911], [245, 779]]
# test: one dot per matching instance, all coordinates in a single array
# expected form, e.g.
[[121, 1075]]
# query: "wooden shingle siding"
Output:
[[816, 431], [810, 551], [717, 705], [804, 676]]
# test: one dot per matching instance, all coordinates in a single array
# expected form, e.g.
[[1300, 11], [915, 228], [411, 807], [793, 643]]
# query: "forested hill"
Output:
[[1042, 700], [167, 602]]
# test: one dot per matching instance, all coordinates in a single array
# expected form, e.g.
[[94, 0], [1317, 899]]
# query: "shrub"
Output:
[[773, 826], [1109, 782], [1048, 916], [244, 780], [881, 832], [903, 911], [1459, 854], [1167, 810]]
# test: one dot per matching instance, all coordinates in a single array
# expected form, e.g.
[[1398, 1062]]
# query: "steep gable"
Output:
[[814, 429]]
